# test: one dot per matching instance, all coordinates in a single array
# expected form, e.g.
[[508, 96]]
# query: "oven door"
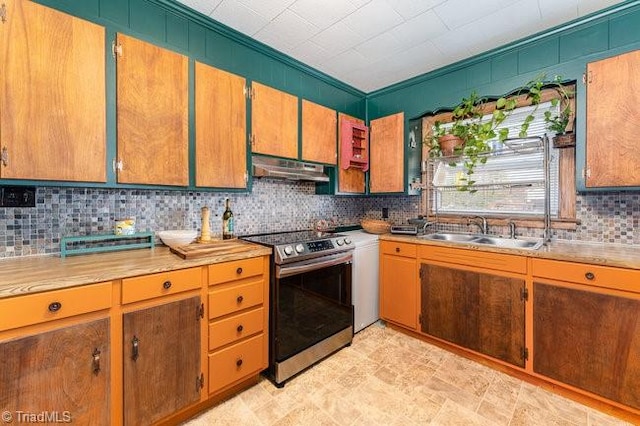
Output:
[[312, 303]]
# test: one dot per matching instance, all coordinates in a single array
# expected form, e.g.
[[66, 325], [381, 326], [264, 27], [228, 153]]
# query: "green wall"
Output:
[[561, 51]]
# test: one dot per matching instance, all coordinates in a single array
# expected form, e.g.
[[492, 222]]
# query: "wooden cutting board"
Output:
[[214, 248]]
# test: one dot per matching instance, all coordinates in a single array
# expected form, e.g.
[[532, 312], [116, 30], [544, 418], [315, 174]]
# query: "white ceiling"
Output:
[[371, 44]]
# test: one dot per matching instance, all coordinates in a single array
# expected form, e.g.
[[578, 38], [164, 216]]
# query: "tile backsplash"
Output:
[[272, 206]]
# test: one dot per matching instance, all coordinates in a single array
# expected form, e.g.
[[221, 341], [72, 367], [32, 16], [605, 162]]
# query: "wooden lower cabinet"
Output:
[[483, 312], [238, 321], [398, 284], [64, 372], [161, 348], [588, 339]]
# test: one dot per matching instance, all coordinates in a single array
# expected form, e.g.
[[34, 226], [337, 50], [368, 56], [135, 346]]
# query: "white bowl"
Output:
[[177, 237]]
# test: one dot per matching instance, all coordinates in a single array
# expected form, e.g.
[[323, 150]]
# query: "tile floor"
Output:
[[388, 378]]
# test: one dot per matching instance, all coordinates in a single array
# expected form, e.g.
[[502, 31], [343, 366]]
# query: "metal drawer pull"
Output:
[[55, 306], [589, 275], [239, 299], [239, 362], [135, 341], [96, 361], [397, 249], [166, 285], [239, 271], [240, 328]]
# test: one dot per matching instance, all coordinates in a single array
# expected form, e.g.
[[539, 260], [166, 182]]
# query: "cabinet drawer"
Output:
[[51, 305], [398, 249], [228, 330], [156, 285], [226, 300], [229, 271], [476, 258], [236, 362], [582, 273]]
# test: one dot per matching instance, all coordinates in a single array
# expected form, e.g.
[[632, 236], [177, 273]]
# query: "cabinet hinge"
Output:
[[200, 312], [525, 353], [116, 49], [248, 92], [3, 13], [246, 177], [524, 294], [116, 165], [420, 273], [4, 156], [199, 382], [584, 77], [252, 140], [586, 173]]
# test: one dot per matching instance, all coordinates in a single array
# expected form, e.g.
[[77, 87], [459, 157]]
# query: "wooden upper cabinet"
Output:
[[351, 180], [274, 122], [319, 133], [221, 128], [152, 114], [386, 154], [52, 95], [613, 96]]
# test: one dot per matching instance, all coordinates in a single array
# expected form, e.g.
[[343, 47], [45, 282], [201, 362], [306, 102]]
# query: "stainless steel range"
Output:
[[311, 313]]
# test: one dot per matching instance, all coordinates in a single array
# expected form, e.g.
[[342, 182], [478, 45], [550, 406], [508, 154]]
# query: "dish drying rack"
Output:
[[438, 181]]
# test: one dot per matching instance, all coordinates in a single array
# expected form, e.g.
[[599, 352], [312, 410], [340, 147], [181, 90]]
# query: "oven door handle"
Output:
[[284, 271]]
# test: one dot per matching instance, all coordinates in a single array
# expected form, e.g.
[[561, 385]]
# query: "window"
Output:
[[512, 180]]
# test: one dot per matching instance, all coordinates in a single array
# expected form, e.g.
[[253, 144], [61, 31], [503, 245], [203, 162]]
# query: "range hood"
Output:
[[287, 169]]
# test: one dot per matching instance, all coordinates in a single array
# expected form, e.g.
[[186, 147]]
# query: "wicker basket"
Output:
[[374, 226]]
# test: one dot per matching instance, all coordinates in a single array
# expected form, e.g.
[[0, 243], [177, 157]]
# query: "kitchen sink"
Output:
[[487, 240]]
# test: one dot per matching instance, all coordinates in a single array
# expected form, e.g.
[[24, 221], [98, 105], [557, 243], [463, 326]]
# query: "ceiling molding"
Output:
[[602, 14], [213, 25]]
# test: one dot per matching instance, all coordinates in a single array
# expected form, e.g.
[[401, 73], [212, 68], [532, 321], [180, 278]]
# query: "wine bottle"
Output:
[[227, 222]]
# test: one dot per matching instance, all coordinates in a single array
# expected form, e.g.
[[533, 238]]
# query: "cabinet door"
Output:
[[613, 96], [274, 122], [152, 114], [221, 128], [319, 133], [350, 181], [398, 290], [386, 158], [161, 360], [589, 340], [52, 95], [65, 372], [481, 312]]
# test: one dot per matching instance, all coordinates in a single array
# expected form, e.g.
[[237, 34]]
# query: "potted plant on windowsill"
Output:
[[476, 130], [558, 123]]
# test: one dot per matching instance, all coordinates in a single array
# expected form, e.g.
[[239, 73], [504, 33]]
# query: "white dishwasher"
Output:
[[365, 279]]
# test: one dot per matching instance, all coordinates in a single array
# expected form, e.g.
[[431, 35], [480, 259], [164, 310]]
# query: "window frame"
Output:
[[566, 218]]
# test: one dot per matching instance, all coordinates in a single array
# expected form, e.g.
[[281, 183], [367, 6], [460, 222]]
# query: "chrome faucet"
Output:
[[512, 229], [482, 224]]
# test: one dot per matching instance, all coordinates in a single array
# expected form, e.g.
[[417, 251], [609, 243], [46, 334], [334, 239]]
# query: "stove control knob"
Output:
[[347, 241], [340, 241], [299, 248], [288, 250]]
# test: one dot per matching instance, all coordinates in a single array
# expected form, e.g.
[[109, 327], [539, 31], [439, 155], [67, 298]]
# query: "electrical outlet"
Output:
[[17, 196], [385, 213]]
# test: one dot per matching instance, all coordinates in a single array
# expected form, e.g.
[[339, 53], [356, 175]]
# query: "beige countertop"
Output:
[[35, 274], [606, 254]]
